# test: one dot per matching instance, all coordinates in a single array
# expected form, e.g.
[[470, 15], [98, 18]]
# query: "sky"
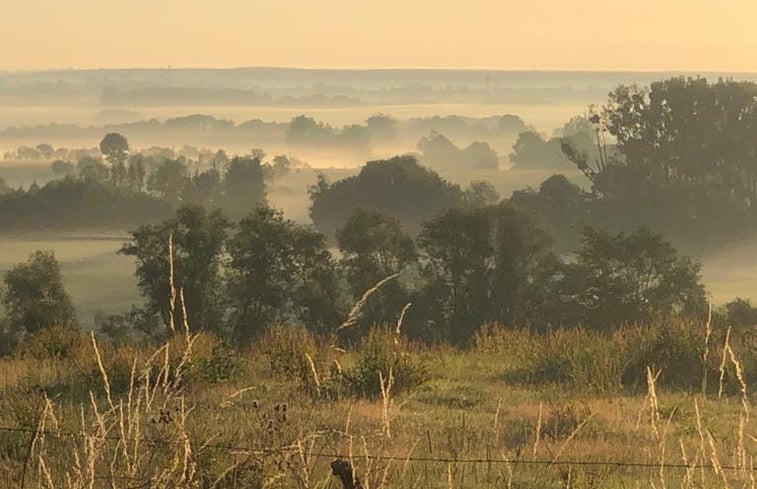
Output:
[[645, 35]]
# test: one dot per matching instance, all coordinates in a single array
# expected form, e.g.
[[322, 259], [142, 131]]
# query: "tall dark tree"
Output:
[[34, 296], [244, 186], [374, 247], [684, 159], [562, 207], [279, 271], [4, 187], [634, 277], [169, 180], [484, 265], [381, 127], [532, 152], [62, 167], [198, 238], [397, 187], [136, 173], [115, 147], [91, 168]]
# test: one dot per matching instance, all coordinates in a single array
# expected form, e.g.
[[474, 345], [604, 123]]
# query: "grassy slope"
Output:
[[468, 409]]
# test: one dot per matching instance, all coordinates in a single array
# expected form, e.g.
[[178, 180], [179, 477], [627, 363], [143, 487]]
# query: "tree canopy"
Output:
[[441, 153], [34, 296], [197, 239], [398, 187]]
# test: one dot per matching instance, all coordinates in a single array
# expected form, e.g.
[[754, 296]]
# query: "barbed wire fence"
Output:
[[146, 482]]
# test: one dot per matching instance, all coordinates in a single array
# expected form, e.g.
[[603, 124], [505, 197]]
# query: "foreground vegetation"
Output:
[[515, 410]]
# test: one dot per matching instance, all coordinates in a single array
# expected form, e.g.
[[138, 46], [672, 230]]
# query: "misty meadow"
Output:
[[395, 252]]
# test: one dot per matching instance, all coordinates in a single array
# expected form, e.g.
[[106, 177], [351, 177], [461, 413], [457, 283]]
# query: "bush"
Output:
[[382, 352], [56, 343], [297, 355], [676, 349], [223, 365], [594, 362], [581, 359]]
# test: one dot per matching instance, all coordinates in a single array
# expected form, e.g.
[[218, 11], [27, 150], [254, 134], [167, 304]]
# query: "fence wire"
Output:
[[401, 458]]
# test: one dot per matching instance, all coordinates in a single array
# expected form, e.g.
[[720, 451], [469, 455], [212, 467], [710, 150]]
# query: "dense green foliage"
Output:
[[194, 239], [34, 296], [134, 189], [77, 203], [373, 247], [398, 187], [532, 151], [280, 272], [483, 265], [469, 267], [678, 156]]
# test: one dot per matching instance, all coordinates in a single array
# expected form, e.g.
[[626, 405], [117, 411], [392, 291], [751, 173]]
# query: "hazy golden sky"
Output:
[[530, 34]]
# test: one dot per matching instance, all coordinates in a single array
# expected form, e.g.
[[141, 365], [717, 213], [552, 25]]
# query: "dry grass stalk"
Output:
[[496, 421], [509, 467], [101, 367], [652, 404], [386, 401], [314, 371], [688, 480], [572, 435], [702, 448], [726, 346], [537, 435], [662, 445], [406, 463], [357, 310], [398, 330], [229, 401], [705, 354], [744, 412], [715, 460], [171, 286], [184, 319]]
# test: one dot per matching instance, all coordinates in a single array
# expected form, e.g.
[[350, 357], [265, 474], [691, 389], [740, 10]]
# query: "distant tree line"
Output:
[[439, 152], [532, 151], [119, 188], [301, 133]]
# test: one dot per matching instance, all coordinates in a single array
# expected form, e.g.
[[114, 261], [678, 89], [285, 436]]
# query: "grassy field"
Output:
[[95, 275], [196, 414]]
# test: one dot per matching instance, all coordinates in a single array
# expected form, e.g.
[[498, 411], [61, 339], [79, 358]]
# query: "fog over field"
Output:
[[210, 109], [395, 244]]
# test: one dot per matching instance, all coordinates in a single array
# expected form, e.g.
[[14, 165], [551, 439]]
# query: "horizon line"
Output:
[[374, 69]]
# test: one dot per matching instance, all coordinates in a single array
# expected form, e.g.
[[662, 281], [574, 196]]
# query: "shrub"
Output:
[[55, 343], [581, 359], [223, 365], [495, 339], [381, 355], [594, 362], [297, 355], [676, 349]]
